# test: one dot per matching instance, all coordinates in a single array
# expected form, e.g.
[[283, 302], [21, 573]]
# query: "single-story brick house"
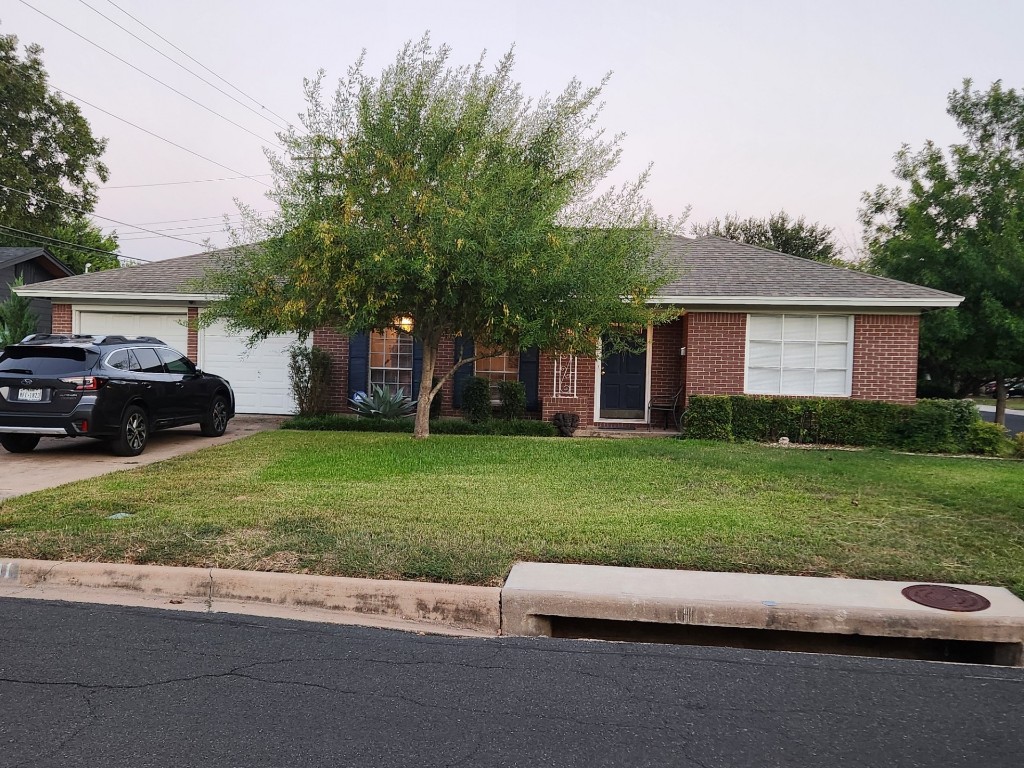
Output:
[[750, 320], [32, 265]]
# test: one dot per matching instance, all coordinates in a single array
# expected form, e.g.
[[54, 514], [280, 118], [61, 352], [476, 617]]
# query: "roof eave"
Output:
[[855, 302], [41, 292]]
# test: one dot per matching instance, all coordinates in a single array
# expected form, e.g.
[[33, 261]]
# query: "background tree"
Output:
[[17, 320], [444, 195], [957, 224], [778, 232], [50, 161], [81, 230]]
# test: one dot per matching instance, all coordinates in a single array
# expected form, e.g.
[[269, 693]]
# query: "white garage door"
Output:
[[169, 327], [259, 376]]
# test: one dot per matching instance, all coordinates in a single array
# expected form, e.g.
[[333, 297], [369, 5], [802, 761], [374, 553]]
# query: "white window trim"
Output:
[[370, 368], [647, 385], [851, 334]]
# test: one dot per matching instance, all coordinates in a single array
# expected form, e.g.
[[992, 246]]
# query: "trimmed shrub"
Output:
[[513, 399], [709, 417], [309, 372], [476, 399], [1018, 446], [987, 439], [566, 423], [766, 418], [928, 429], [857, 422]]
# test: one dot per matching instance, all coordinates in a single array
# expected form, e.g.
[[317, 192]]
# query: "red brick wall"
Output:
[[715, 353], [666, 362], [61, 318], [336, 346], [885, 357], [582, 404]]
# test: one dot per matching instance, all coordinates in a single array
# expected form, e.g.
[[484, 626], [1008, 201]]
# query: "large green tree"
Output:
[[778, 232], [444, 195], [49, 161], [956, 223]]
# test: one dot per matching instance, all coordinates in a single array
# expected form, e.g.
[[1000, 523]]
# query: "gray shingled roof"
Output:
[[168, 276], [716, 268], [710, 268]]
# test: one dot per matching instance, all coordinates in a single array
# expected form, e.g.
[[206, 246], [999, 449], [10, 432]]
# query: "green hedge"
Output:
[[931, 426], [345, 423]]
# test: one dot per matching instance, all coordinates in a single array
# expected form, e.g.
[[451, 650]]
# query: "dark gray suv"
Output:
[[114, 388]]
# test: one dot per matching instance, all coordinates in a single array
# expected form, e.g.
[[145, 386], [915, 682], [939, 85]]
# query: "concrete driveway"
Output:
[[57, 461]]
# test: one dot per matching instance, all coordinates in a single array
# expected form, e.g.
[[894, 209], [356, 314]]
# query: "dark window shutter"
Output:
[[463, 349], [529, 375], [358, 363], [417, 369]]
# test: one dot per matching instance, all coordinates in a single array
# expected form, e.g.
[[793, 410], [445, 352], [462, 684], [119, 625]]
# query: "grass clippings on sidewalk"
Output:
[[463, 509]]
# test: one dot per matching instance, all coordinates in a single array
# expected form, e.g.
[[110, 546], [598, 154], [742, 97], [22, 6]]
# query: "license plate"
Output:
[[30, 395]]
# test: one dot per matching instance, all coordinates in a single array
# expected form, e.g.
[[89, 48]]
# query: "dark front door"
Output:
[[623, 380]]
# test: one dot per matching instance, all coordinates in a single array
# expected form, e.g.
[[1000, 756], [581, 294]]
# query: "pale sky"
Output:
[[742, 107]]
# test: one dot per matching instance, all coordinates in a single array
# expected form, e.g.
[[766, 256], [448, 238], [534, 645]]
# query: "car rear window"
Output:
[[46, 361]]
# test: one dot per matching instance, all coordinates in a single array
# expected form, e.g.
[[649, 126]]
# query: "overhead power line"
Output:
[[44, 240], [251, 177], [128, 239], [151, 77], [182, 66], [200, 218], [199, 63], [32, 195], [157, 136]]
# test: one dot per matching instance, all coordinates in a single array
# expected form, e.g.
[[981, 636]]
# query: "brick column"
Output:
[[885, 357]]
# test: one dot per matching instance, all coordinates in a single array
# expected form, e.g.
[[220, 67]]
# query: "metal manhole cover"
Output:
[[946, 598]]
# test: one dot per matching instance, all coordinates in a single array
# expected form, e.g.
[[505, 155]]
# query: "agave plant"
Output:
[[381, 403]]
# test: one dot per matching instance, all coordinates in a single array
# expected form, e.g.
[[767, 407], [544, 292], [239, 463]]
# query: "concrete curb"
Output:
[[409, 605]]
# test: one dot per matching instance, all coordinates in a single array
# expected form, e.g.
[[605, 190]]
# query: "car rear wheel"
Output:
[[19, 443], [215, 422], [134, 433]]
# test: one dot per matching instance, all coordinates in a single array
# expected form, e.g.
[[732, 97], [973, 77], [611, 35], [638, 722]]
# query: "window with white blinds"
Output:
[[809, 355]]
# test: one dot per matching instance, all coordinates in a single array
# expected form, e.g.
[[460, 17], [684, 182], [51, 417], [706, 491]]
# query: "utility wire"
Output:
[[87, 248], [235, 88], [154, 237], [157, 136], [200, 218], [182, 66], [251, 177], [33, 196], [151, 77]]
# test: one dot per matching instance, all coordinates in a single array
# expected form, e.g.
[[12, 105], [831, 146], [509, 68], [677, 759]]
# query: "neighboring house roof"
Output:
[[712, 271], [49, 262], [716, 271]]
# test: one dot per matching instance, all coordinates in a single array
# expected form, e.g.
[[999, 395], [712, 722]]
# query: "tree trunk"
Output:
[[1000, 401], [426, 395]]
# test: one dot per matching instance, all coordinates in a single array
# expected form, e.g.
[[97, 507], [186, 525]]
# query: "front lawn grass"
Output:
[[463, 509]]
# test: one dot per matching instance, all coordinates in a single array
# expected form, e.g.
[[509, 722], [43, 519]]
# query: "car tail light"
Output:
[[85, 383]]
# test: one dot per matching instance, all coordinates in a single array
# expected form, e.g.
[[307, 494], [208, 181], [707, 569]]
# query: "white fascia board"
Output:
[[42, 292], [807, 301]]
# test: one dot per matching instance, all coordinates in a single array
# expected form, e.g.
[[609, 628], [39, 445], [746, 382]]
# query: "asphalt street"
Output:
[[106, 686]]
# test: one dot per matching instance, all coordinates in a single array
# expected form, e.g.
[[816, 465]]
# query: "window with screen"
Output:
[[808, 355]]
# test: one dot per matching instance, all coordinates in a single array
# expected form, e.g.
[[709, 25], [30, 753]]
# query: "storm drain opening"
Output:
[[923, 649]]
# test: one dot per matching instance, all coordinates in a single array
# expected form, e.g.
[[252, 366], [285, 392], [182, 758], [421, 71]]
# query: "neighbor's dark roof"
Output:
[[17, 255], [710, 268], [717, 268]]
